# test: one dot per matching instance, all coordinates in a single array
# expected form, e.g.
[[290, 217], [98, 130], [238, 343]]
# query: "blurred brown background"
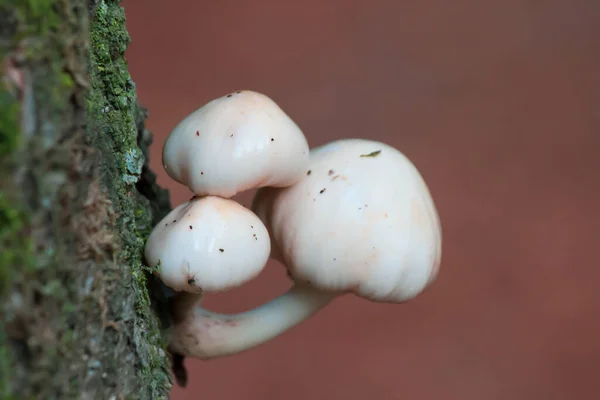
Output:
[[497, 103]]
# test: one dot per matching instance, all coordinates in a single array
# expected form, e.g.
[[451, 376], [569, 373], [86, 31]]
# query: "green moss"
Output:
[[81, 294], [116, 117], [9, 123], [16, 260], [17, 255], [35, 17], [15, 247]]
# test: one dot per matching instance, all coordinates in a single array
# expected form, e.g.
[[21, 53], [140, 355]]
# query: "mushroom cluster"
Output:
[[351, 216]]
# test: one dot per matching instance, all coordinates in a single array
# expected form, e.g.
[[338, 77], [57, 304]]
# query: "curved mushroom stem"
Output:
[[205, 334]]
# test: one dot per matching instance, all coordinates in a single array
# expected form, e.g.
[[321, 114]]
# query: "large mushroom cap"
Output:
[[234, 143], [210, 244], [361, 220]]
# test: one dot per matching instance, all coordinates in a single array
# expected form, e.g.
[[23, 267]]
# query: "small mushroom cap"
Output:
[[361, 220], [234, 143], [208, 244]]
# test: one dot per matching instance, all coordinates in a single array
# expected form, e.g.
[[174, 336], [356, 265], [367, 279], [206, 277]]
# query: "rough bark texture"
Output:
[[76, 203]]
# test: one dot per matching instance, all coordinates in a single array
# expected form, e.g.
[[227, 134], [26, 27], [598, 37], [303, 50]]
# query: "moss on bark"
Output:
[[77, 201]]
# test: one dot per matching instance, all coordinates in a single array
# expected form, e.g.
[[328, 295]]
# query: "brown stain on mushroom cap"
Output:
[[342, 177]]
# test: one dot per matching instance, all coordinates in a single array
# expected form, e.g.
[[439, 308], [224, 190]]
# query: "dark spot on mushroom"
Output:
[[254, 236], [221, 250], [191, 281], [174, 220], [371, 154], [190, 227], [197, 133], [334, 259], [360, 208], [330, 172], [201, 173], [252, 226], [229, 95], [272, 139], [231, 135], [167, 224], [309, 172], [322, 191], [239, 91]]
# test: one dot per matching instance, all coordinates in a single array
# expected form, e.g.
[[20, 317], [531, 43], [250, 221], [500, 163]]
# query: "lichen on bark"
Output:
[[77, 201]]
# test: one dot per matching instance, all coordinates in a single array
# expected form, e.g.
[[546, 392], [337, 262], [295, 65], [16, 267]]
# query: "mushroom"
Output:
[[208, 244], [234, 143], [205, 245], [360, 221]]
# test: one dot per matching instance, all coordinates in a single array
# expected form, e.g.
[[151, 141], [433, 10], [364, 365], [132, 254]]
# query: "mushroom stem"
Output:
[[205, 334]]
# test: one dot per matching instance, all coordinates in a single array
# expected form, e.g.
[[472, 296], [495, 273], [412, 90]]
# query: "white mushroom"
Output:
[[208, 244], [362, 220], [234, 143]]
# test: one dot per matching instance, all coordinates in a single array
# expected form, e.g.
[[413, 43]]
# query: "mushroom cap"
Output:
[[362, 220], [234, 143], [208, 244]]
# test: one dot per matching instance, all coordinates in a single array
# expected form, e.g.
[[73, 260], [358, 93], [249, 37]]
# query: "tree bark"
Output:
[[77, 201]]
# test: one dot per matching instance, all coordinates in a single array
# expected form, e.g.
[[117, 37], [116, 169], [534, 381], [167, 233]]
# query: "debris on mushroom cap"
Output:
[[208, 244], [369, 227], [237, 142]]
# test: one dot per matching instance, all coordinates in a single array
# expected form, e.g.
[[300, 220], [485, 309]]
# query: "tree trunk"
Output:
[[77, 201]]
